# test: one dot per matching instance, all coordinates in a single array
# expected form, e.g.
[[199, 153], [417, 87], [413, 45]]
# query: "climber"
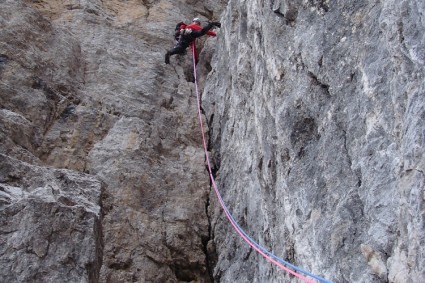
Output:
[[187, 35]]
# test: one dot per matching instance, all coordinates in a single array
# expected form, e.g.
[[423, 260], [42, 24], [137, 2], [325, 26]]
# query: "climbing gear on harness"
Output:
[[186, 31]]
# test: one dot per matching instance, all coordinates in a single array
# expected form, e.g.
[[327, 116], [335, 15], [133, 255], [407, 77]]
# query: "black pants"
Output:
[[179, 49]]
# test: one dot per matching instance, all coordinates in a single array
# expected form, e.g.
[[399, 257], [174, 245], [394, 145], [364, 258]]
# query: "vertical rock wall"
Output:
[[316, 112], [83, 86]]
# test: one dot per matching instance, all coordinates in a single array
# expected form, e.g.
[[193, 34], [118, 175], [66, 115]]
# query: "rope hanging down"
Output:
[[282, 264]]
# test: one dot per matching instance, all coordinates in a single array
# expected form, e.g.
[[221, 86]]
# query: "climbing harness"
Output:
[[282, 264], [186, 31]]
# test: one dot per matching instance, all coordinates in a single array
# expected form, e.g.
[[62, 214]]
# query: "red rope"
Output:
[[235, 225]]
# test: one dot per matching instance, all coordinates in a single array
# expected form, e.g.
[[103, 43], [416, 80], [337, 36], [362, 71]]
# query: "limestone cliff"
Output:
[[316, 112], [315, 115], [84, 88]]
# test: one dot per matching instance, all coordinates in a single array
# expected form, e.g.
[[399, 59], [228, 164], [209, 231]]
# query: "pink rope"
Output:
[[278, 264]]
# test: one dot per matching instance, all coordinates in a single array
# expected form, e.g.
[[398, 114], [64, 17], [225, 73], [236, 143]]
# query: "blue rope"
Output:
[[270, 254]]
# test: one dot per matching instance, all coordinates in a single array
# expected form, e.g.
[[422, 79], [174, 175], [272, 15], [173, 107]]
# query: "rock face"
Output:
[[84, 88], [315, 113], [50, 224]]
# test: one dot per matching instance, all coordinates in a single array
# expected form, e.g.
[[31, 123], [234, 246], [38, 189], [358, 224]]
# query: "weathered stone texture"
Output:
[[316, 112], [50, 224], [83, 86]]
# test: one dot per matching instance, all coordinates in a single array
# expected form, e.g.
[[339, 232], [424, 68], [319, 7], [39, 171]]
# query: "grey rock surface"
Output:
[[83, 86], [50, 224], [316, 115]]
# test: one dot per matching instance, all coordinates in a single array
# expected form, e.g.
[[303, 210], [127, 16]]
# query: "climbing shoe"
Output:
[[167, 58]]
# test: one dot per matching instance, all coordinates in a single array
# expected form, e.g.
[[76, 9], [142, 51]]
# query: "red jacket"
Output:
[[198, 27]]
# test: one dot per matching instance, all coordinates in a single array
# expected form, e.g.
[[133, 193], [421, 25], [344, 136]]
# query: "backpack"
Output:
[[180, 25]]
